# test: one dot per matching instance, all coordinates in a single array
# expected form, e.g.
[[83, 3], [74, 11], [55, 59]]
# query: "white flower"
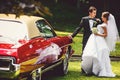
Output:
[[94, 30]]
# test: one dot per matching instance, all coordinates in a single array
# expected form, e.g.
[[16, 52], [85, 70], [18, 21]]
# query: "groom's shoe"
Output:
[[82, 71], [89, 74]]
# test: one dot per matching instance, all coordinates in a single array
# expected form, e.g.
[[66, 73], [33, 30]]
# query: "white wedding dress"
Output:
[[95, 58]]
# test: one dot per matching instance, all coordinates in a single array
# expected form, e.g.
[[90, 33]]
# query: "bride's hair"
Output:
[[106, 15]]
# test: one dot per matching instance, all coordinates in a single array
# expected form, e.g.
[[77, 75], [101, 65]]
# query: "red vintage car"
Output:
[[29, 47]]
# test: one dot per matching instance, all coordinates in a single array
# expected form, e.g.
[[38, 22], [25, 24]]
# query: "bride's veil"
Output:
[[112, 31]]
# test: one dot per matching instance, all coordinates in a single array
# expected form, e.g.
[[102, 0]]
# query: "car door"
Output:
[[50, 36], [48, 33]]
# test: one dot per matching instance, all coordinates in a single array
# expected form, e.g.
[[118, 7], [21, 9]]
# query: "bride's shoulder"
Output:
[[103, 25]]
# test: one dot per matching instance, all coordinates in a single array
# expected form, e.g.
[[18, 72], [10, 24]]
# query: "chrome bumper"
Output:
[[8, 68]]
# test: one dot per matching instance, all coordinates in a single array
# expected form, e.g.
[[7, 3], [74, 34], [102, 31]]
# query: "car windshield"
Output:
[[11, 30]]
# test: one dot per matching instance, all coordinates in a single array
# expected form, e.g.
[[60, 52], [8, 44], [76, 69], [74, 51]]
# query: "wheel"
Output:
[[63, 67], [35, 75]]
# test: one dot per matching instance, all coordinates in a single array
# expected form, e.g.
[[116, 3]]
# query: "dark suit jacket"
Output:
[[87, 31]]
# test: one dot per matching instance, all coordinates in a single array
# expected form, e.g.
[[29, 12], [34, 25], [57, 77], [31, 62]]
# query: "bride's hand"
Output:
[[96, 34]]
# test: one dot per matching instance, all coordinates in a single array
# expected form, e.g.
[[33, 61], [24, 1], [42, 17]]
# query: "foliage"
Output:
[[28, 7], [65, 16]]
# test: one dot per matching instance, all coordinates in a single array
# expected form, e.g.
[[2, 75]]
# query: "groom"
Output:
[[86, 23]]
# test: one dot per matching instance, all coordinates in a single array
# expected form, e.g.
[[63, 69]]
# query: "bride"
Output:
[[95, 58]]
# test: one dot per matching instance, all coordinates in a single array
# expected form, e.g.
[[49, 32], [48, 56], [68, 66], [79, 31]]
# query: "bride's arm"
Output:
[[104, 34]]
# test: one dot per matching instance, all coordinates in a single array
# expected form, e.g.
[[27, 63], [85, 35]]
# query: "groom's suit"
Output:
[[87, 30]]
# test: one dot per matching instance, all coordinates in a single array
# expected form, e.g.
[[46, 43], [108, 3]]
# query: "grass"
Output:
[[77, 44], [74, 73], [117, 51]]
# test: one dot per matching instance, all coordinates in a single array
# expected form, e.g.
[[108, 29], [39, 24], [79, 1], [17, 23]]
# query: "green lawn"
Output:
[[74, 73], [77, 44]]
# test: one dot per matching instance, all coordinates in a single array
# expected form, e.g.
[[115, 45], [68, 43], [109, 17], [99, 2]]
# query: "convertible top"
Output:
[[28, 21]]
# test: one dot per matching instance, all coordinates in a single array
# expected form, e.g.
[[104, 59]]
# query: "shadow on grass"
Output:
[[75, 75], [51, 75]]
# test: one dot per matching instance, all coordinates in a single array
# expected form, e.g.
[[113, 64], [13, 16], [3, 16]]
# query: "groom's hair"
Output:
[[91, 9]]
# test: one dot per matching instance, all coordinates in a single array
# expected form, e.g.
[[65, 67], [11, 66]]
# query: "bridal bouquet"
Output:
[[94, 28]]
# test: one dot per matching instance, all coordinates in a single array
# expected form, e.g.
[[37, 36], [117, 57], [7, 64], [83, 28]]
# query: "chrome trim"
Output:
[[11, 66], [10, 69]]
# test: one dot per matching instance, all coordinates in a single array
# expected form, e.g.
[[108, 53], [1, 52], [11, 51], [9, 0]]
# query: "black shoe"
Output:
[[89, 74], [82, 71]]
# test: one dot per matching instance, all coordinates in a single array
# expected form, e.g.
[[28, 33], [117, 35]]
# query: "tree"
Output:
[[28, 7]]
